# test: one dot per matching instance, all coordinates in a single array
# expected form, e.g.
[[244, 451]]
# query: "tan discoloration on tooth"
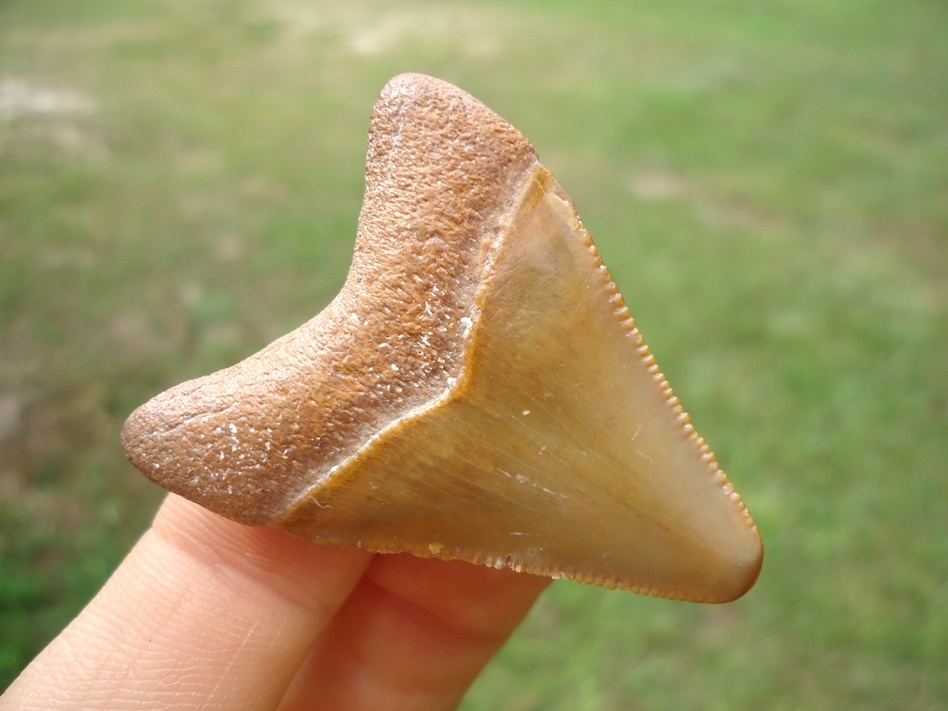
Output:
[[478, 389]]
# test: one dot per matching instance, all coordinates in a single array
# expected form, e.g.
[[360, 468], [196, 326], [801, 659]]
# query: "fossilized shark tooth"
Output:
[[476, 391]]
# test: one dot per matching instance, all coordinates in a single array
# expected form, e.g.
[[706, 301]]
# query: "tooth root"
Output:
[[477, 391]]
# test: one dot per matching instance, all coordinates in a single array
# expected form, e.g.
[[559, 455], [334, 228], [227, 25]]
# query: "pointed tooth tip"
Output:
[[745, 570]]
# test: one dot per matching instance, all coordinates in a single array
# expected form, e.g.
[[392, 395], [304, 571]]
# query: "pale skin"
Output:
[[207, 614]]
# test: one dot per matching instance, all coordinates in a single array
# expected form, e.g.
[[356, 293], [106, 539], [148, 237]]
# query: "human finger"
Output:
[[203, 613], [413, 635]]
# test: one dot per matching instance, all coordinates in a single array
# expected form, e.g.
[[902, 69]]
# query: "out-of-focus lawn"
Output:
[[768, 183]]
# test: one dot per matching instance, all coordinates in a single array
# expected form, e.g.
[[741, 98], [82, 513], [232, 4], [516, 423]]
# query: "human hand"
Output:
[[207, 614]]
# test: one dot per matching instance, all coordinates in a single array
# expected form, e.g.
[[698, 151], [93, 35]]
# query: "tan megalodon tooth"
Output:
[[476, 391]]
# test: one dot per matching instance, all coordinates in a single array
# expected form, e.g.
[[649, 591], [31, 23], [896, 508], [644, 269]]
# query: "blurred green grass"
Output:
[[768, 183]]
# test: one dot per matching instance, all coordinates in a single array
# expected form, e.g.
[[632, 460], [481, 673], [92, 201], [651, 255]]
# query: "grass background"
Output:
[[768, 183]]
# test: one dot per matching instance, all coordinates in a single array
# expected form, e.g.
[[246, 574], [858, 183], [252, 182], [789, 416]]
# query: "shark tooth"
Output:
[[477, 390]]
